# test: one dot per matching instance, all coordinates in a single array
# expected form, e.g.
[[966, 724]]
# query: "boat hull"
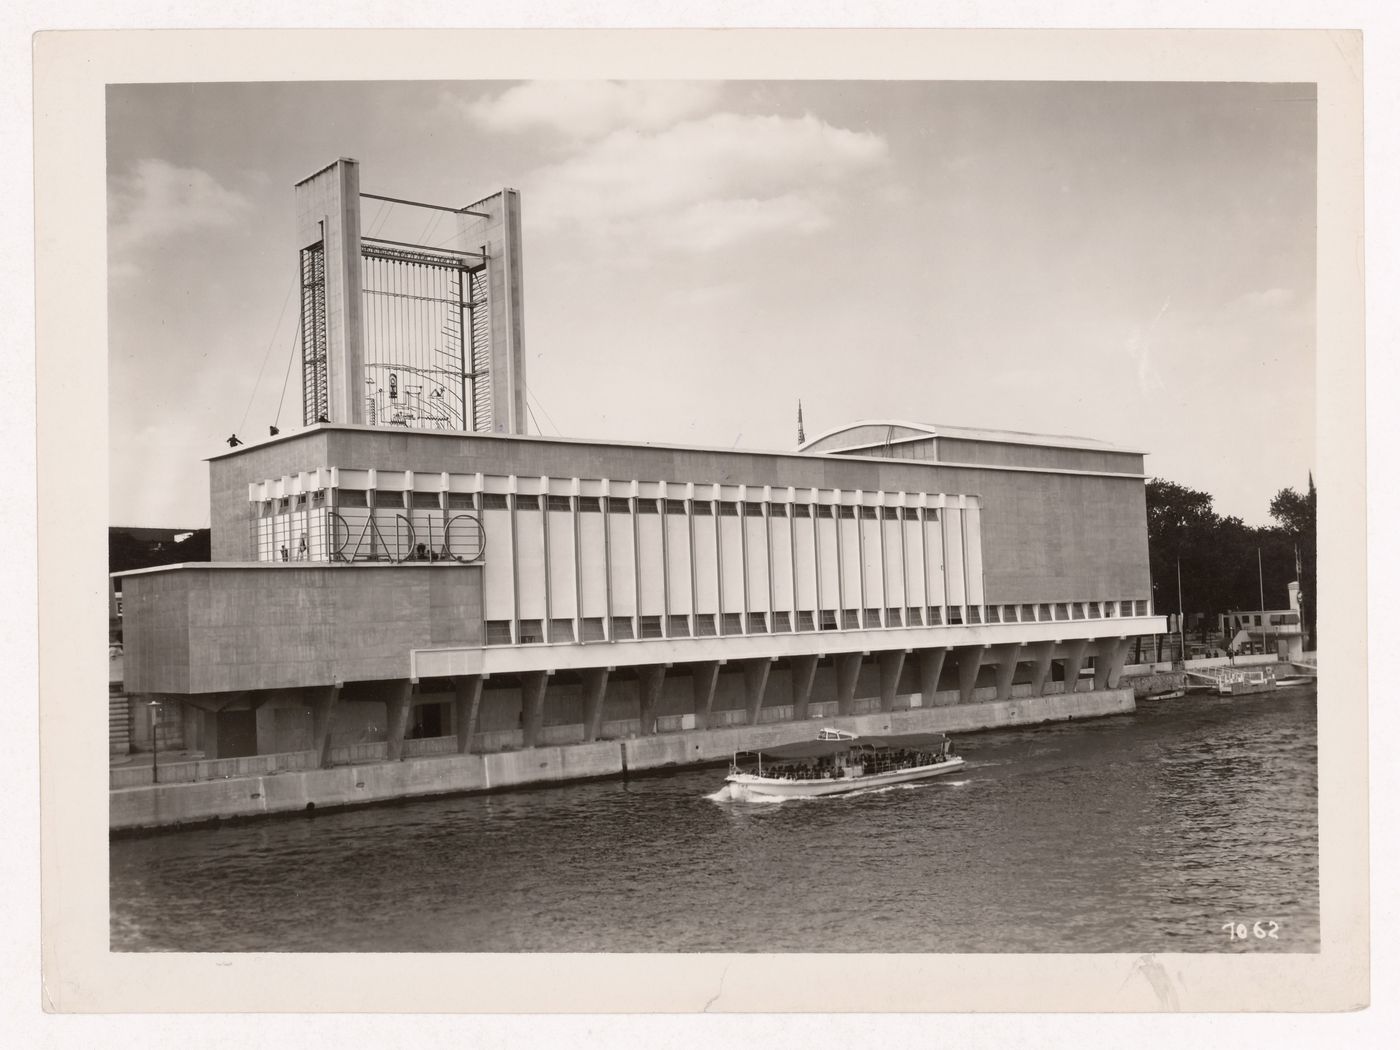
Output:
[[741, 784]]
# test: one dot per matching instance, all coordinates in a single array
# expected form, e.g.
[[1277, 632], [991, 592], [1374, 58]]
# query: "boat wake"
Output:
[[736, 793]]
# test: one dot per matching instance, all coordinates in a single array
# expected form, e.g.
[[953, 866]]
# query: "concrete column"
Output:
[[533, 685], [468, 709], [397, 705], [1074, 659], [804, 673], [1004, 657], [595, 691], [847, 672], [969, 663], [703, 681], [1108, 666], [322, 710], [649, 681], [891, 667], [1042, 653], [756, 686], [930, 670]]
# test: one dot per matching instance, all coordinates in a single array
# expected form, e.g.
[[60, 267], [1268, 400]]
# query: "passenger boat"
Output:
[[837, 762]]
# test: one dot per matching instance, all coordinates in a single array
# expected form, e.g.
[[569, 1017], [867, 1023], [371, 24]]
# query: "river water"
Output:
[[1136, 833]]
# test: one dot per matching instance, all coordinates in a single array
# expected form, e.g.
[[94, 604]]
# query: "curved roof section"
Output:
[[868, 433]]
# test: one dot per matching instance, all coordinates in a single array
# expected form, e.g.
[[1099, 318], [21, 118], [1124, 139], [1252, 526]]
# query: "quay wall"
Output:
[[293, 791], [1145, 685]]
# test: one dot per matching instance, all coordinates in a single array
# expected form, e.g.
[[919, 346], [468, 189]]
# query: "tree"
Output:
[[1221, 559]]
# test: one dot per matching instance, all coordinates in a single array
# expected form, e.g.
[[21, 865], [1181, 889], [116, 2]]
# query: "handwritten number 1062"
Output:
[[1262, 930]]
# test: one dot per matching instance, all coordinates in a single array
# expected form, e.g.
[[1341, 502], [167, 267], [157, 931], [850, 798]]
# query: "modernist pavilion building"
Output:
[[410, 574]]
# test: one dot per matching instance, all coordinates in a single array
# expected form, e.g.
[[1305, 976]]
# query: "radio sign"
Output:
[[463, 540]]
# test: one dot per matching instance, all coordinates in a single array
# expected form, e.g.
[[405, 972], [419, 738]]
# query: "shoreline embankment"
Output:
[[299, 791]]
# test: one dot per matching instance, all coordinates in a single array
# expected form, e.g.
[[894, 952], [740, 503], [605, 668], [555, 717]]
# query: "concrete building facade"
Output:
[[407, 587]]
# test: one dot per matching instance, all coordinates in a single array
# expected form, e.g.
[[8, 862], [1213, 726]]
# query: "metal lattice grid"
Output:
[[314, 385], [421, 315]]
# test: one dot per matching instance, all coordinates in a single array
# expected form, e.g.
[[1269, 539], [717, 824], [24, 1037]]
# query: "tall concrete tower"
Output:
[[402, 334]]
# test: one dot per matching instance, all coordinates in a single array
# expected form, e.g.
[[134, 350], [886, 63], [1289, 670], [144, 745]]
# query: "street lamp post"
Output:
[[155, 740]]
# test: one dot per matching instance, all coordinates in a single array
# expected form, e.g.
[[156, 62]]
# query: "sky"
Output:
[[1133, 263]]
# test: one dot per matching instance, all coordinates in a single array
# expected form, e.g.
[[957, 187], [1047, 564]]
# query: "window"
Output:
[[1109, 608], [301, 500], [935, 616], [993, 614], [560, 503], [651, 627], [758, 623], [646, 506], [778, 510], [805, 622], [824, 511], [677, 626], [1061, 611], [591, 629], [318, 498], [1093, 610], [955, 614], [846, 512], [894, 617], [460, 501], [1008, 614], [590, 505], [388, 501], [728, 510], [425, 501], [617, 505], [730, 624], [675, 506], [705, 625], [1028, 614], [850, 620], [974, 614], [782, 622], [531, 631], [872, 618], [870, 513], [561, 630], [1044, 614], [701, 508], [828, 618], [622, 629], [497, 632], [801, 510], [1141, 608], [494, 501]]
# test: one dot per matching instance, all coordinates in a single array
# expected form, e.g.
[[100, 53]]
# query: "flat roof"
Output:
[[964, 433]]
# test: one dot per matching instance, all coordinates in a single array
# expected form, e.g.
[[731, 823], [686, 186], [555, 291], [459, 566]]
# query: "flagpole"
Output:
[[1263, 612], [1180, 613]]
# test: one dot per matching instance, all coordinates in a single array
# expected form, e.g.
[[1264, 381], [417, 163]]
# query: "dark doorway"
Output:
[[428, 720], [238, 734]]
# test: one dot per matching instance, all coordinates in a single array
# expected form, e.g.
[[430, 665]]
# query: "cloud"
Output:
[[158, 200], [588, 109], [704, 184]]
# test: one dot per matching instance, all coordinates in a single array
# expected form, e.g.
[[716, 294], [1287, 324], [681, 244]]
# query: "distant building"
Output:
[[1267, 630]]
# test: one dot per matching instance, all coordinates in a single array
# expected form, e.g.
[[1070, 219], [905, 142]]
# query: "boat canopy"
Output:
[[822, 748]]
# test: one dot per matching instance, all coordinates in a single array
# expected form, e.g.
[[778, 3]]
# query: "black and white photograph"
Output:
[[730, 515]]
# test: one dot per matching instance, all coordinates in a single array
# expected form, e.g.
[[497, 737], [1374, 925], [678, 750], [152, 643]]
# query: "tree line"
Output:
[[1221, 558]]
